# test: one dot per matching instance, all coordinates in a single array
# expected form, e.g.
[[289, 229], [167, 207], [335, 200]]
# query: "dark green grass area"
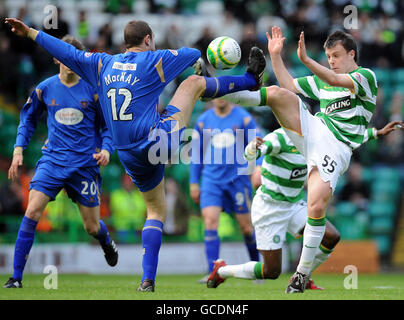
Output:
[[175, 287]]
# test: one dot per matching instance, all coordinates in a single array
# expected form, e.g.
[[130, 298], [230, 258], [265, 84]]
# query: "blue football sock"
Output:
[[23, 244], [152, 235], [220, 86], [103, 235], [252, 247], [212, 246]]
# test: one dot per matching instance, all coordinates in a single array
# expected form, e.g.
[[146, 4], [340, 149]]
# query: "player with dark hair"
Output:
[[347, 96], [129, 86], [345, 40], [78, 143], [278, 206]]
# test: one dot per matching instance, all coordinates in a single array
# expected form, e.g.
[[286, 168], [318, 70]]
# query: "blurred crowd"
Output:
[[379, 33]]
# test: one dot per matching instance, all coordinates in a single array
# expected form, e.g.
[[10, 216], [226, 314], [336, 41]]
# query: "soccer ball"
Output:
[[223, 53]]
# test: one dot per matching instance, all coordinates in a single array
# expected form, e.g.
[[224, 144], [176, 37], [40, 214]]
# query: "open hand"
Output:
[[17, 162], [18, 27], [394, 125], [275, 43], [301, 48]]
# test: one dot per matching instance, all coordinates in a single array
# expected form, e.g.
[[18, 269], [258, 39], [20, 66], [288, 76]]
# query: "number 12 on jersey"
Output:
[[111, 94]]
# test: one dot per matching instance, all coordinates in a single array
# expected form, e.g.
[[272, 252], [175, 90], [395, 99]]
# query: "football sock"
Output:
[[103, 235], [312, 236], [251, 270], [220, 86], [212, 245], [248, 98], [23, 244], [252, 247], [321, 256], [152, 235]]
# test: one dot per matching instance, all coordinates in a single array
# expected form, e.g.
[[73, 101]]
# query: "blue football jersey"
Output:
[[128, 84], [76, 127], [218, 145]]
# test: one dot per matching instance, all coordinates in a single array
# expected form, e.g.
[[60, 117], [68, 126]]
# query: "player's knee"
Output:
[[33, 213], [277, 93], [246, 229], [195, 81], [317, 208], [272, 272], [211, 223], [92, 229]]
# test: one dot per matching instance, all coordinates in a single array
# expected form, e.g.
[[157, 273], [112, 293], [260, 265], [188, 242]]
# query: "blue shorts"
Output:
[[232, 197], [82, 185], [145, 162]]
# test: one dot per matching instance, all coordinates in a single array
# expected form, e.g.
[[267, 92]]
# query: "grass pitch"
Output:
[[175, 287]]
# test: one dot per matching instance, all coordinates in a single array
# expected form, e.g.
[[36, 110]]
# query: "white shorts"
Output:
[[272, 219], [320, 147]]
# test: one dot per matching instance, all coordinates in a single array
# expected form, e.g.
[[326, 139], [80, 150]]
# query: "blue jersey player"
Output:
[[78, 142], [218, 175], [128, 86]]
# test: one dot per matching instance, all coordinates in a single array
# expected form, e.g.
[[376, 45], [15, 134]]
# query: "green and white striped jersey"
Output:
[[346, 113], [284, 169]]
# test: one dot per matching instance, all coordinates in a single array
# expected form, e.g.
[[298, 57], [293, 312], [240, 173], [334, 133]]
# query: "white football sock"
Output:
[[312, 237], [243, 271], [244, 98], [320, 258]]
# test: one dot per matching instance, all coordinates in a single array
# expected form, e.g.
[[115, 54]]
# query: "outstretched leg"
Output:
[[195, 86], [284, 104], [252, 270]]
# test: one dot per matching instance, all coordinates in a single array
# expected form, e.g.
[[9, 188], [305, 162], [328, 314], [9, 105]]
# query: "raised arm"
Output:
[[87, 65], [275, 46], [324, 73]]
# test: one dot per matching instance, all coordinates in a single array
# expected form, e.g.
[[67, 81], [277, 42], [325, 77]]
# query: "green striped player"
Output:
[[278, 206], [347, 96]]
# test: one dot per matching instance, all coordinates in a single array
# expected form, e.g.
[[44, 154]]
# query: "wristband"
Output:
[[32, 33], [374, 133], [17, 151]]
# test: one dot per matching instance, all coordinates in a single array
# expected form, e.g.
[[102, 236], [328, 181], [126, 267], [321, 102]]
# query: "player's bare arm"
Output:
[[335, 76], [17, 162], [390, 127], [275, 46]]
